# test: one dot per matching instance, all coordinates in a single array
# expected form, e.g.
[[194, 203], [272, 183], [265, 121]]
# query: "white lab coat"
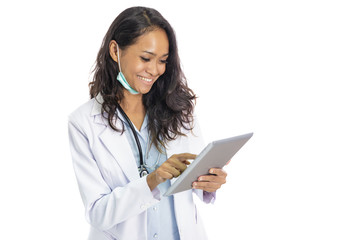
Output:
[[115, 197]]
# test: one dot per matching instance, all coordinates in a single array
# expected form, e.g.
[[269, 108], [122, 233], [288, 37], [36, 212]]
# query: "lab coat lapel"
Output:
[[115, 142], [118, 145]]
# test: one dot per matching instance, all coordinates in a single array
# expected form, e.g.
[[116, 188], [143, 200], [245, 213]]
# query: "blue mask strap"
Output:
[[121, 78]]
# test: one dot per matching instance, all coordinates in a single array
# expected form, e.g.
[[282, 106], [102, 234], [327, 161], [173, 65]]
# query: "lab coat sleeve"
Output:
[[206, 197], [105, 207]]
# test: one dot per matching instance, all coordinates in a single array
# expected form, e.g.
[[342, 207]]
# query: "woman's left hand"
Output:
[[212, 182]]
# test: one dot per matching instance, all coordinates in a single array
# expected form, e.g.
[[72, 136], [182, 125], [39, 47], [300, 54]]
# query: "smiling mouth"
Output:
[[145, 79]]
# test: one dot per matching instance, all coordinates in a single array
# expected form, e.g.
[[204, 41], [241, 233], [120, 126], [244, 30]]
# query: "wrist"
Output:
[[152, 181]]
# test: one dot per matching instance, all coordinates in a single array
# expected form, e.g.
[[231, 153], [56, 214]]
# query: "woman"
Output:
[[139, 121]]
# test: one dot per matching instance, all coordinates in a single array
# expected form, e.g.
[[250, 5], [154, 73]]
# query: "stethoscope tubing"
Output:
[[142, 169]]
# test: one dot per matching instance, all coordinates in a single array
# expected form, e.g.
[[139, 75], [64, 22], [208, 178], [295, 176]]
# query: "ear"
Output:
[[113, 50]]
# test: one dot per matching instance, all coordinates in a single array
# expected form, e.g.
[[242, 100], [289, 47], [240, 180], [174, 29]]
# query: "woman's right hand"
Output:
[[171, 168]]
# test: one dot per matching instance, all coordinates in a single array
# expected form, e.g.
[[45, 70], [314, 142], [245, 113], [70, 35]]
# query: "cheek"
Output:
[[138, 67], [162, 69], [131, 66]]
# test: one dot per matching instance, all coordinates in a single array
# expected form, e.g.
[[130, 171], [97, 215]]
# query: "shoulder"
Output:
[[191, 142], [88, 114], [83, 111], [194, 127], [196, 135]]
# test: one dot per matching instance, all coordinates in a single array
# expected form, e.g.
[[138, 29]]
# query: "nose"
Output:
[[153, 69]]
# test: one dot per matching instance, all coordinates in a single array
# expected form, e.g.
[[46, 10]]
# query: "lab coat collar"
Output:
[[96, 109], [98, 118], [96, 112]]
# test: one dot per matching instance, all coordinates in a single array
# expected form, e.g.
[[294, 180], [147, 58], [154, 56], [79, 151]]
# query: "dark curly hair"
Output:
[[170, 102]]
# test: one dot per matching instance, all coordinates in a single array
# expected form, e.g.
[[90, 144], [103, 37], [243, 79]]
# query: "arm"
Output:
[[105, 207], [206, 197], [198, 141]]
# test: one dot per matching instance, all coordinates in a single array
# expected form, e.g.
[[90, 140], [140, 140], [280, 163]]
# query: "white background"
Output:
[[286, 70]]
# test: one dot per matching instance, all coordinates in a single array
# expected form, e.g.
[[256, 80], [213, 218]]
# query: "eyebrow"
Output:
[[151, 53]]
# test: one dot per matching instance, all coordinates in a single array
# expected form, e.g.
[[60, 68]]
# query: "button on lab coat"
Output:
[[114, 195]]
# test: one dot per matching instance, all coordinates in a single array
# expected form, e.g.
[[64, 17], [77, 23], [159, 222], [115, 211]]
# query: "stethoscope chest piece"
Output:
[[143, 173]]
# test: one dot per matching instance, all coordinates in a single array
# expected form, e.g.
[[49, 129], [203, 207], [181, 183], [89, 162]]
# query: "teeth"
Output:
[[145, 79]]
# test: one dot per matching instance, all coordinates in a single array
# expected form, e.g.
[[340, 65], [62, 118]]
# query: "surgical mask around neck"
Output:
[[121, 78]]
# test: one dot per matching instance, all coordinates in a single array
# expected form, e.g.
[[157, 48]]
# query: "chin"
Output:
[[145, 90]]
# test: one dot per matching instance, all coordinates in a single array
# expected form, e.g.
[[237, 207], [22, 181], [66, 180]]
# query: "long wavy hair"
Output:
[[170, 102]]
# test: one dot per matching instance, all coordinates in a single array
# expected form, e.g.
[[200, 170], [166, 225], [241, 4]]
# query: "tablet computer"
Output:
[[215, 155]]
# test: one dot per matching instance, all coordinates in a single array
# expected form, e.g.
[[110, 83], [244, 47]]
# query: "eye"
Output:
[[164, 61], [145, 59]]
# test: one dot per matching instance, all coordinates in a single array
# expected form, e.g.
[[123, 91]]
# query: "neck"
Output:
[[132, 103], [134, 108]]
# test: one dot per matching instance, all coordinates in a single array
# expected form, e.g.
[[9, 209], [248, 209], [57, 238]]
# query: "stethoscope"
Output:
[[142, 169]]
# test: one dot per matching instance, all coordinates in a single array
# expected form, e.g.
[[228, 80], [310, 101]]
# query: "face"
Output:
[[145, 61]]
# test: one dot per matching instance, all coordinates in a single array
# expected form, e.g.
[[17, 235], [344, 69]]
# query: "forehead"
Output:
[[155, 41]]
